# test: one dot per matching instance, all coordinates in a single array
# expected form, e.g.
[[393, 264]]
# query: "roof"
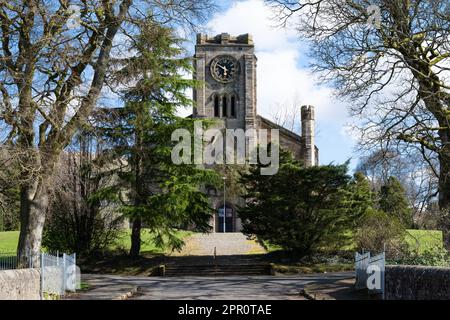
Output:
[[282, 129], [273, 125]]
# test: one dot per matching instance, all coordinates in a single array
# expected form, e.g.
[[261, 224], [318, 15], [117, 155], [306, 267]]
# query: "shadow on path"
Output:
[[210, 288]]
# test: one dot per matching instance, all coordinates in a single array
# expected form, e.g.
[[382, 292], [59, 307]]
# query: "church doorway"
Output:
[[228, 224]]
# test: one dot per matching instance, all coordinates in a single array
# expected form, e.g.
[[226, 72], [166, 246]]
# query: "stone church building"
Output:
[[226, 67]]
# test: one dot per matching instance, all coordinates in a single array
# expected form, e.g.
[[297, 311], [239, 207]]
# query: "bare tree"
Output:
[[393, 67], [415, 176], [54, 60], [83, 216], [287, 114]]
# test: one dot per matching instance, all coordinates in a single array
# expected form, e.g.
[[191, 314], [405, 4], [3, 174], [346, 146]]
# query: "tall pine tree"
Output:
[[162, 196]]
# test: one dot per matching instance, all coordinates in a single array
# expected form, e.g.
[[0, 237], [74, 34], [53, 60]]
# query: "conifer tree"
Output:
[[301, 208], [393, 201], [162, 196]]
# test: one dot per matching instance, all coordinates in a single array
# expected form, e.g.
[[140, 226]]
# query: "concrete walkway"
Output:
[[341, 289], [105, 288], [224, 243], [108, 287]]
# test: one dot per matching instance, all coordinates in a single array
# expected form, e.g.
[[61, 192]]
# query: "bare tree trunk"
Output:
[[136, 237], [444, 186], [138, 184], [444, 195], [33, 207]]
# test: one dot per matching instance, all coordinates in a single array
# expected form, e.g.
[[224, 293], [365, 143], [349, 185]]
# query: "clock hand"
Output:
[[224, 68]]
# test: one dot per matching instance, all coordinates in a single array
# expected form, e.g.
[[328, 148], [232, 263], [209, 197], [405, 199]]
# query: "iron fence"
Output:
[[10, 260], [59, 273]]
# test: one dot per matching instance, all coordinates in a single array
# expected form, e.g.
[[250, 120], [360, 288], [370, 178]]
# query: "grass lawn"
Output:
[[9, 241], [423, 240], [147, 246]]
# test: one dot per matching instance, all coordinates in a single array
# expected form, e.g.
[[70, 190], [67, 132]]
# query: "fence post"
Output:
[[64, 284], [383, 275], [74, 270], [42, 276]]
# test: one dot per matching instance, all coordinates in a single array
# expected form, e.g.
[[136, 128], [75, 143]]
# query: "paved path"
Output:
[[211, 288], [225, 244]]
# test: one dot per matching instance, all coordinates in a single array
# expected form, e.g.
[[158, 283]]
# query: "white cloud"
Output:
[[252, 16], [283, 78]]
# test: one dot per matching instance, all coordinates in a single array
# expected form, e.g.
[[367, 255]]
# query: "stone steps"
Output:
[[216, 270]]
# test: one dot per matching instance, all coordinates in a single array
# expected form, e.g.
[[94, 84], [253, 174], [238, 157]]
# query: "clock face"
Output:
[[224, 69]]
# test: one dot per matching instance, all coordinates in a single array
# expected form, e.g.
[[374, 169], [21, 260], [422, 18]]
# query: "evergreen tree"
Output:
[[300, 209], [393, 201], [163, 196]]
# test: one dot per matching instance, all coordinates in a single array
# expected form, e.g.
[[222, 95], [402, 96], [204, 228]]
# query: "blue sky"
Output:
[[284, 80]]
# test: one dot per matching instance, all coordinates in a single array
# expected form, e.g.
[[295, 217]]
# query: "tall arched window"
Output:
[[224, 107], [233, 106], [216, 107]]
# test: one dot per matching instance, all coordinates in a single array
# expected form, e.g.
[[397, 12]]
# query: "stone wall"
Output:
[[22, 284], [417, 283]]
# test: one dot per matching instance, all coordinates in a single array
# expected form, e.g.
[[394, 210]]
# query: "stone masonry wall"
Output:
[[417, 283], [22, 284]]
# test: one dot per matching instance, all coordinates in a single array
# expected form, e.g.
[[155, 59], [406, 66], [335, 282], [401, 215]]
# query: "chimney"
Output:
[[308, 145]]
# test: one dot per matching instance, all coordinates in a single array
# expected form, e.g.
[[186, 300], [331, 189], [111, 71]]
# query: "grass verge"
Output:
[[9, 241]]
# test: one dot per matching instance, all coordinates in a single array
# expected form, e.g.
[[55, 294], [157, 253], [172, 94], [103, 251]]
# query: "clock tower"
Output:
[[226, 68]]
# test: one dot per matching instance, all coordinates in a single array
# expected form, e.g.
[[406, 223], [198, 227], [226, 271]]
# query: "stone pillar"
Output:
[[250, 90], [308, 143], [199, 94]]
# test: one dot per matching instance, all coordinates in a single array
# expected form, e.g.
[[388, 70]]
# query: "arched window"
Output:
[[233, 107], [216, 107], [224, 107]]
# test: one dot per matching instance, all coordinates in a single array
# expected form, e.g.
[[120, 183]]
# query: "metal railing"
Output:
[[59, 273], [10, 260]]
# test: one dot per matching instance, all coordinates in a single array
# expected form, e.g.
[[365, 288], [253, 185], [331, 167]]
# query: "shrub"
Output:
[[378, 231], [300, 209], [437, 257]]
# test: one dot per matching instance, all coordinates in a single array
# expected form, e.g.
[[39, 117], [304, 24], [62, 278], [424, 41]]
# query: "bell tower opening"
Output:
[[233, 107], [216, 107], [224, 107]]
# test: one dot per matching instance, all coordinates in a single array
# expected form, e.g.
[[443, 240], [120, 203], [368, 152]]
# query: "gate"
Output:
[[59, 273], [369, 272]]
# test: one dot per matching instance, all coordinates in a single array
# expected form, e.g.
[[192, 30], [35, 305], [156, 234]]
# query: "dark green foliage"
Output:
[[393, 201], [302, 209], [384, 225], [161, 196]]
